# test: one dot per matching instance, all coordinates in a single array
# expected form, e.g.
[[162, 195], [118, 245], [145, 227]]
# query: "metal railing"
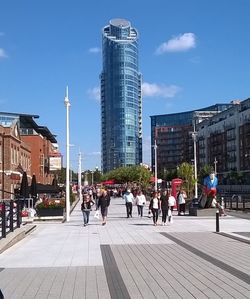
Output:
[[237, 202], [10, 216]]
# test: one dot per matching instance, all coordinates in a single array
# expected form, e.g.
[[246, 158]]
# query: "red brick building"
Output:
[[15, 157], [24, 146]]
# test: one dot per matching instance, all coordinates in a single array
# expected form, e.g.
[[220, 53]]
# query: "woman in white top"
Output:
[[155, 206], [171, 204], [140, 202]]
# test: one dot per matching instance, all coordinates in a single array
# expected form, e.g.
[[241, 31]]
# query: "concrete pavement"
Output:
[[129, 258]]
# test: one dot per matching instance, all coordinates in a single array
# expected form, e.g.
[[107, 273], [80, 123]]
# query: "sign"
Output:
[[55, 163], [15, 176]]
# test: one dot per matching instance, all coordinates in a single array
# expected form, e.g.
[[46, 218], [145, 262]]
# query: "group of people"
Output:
[[160, 202], [101, 200]]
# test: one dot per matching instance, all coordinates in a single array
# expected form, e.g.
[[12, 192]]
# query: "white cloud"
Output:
[[156, 90], [94, 93], [3, 53], [94, 50], [179, 43]]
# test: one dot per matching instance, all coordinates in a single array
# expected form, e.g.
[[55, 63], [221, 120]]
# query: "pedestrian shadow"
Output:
[[141, 224]]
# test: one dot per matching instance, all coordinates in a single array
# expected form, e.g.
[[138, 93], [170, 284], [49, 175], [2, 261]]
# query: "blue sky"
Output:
[[191, 54]]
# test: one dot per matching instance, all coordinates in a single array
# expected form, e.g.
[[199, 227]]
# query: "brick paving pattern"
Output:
[[129, 258]]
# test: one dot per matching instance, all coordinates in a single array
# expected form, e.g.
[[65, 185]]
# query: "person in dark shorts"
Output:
[[164, 206], [104, 202]]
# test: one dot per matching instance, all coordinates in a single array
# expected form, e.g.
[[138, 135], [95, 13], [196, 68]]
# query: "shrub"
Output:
[[51, 204]]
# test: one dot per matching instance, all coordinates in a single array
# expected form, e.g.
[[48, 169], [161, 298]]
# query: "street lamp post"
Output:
[[155, 149], [215, 165], [194, 136], [80, 176], [67, 105]]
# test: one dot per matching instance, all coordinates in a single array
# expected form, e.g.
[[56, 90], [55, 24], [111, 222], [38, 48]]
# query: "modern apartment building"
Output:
[[224, 139], [172, 133], [121, 100]]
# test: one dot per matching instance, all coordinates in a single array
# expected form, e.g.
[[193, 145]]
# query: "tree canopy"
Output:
[[132, 174], [186, 173]]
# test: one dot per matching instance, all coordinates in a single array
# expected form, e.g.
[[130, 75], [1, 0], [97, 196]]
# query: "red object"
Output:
[[152, 179], [175, 186], [109, 182], [211, 192], [24, 213]]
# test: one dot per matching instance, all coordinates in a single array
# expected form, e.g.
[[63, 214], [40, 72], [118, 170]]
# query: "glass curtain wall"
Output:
[[120, 97]]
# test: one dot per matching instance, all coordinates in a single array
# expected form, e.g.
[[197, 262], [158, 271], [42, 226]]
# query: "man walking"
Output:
[[128, 197]]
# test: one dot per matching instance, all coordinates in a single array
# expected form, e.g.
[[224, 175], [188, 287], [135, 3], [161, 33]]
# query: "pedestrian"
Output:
[[98, 195], [129, 198], [104, 202], [155, 206], [140, 202], [86, 208], [181, 198], [216, 204], [164, 206], [171, 205]]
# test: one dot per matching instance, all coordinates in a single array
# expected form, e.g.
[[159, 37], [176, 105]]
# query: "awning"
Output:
[[47, 188]]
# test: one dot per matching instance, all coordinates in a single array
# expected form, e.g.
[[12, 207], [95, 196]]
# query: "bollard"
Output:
[[18, 215], [3, 212], [11, 216], [217, 221]]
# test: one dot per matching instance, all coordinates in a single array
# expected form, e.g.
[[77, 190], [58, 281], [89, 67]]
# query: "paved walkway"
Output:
[[129, 258]]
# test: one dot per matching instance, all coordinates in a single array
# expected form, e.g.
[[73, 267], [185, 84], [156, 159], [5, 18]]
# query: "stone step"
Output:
[[202, 212]]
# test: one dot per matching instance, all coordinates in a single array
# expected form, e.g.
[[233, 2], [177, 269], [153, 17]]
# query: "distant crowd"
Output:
[[159, 203]]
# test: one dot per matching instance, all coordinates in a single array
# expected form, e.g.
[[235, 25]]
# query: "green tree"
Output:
[[132, 175], [186, 173], [61, 175], [204, 172]]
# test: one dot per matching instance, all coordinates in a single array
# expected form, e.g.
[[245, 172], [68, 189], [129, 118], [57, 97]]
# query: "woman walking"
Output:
[[181, 197], [104, 202], [140, 202], [164, 206], [86, 208], [171, 205], [155, 206]]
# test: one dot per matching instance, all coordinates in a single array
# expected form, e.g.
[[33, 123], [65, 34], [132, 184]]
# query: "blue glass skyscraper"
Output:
[[121, 102]]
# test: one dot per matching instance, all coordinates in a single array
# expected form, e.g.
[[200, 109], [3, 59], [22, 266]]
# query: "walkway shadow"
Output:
[[141, 224]]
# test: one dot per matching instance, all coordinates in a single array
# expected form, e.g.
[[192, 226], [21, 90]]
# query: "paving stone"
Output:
[[65, 260]]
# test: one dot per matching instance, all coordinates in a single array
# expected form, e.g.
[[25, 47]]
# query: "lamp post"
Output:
[[80, 176], [67, 105], [155, 149], [215, 165], [3, 152], [194, 136]]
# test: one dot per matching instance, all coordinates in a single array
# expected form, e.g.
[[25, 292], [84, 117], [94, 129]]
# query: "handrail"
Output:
[[10, 217]]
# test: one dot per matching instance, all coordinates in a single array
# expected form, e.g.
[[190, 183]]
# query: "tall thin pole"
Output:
[[3, 160], [194, 134], [215, 166], [155, 148], [80, 176], [67, 104]]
